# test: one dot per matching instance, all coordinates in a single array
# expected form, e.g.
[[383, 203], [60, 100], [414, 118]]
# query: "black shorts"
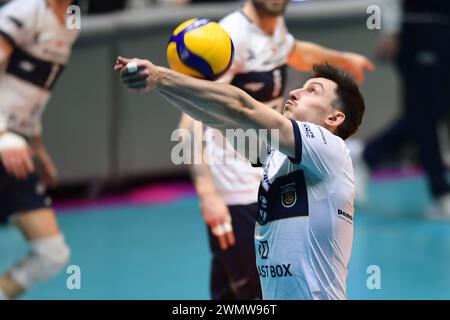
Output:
[[234, 275], [19, 196]]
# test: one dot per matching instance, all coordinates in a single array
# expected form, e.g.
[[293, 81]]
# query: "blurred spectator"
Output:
[[416, 35]]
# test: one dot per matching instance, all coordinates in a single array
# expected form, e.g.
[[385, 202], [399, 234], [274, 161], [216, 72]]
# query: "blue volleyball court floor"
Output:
[[160, 250]]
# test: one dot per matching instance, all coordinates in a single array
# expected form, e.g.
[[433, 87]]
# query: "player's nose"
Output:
[[295, 94]]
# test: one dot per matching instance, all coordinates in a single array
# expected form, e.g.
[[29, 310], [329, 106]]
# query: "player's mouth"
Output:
[[287, 108], [289, 104]]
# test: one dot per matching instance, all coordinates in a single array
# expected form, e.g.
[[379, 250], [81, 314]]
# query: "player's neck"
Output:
[[265, 22], [59, 8]]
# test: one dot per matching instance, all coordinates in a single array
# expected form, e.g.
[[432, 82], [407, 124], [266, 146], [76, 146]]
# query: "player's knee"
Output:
[[46, 258]]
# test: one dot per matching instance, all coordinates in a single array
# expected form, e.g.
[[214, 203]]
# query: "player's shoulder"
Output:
[[323, 139], [235, 24], [233, 18]]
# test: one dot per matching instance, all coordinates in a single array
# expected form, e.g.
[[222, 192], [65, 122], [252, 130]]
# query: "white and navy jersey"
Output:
[[304, 234], [259, 68], [42, 46]]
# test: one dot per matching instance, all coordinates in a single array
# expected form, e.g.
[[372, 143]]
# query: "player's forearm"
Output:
[[306, 54], [196, 113], [206, 99], [203, 180], [238, 109], [200, 173]]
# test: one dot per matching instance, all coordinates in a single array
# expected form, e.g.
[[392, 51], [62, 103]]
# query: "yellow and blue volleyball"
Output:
[[200, 48]]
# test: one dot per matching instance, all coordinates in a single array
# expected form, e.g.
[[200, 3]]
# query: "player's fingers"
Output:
[[369, 65], [8, 163], [22, 166], [141, 74], [132, 67], [137, 86], [135, 66], [128, 69], [223, 242], [28, 162], [17, 168], [229, 235], [231, 240], [359, 75], [224, 234], [122, 60], [120, 64], [118, 67], [135, 79]]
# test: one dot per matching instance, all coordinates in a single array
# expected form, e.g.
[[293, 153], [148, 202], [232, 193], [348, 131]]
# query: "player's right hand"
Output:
[[217, 216], [142, 79], [18, 162]]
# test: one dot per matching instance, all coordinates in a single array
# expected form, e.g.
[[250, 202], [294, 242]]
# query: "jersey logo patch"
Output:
[[262, 209], [288, 195], [308, 131], [263, 249]]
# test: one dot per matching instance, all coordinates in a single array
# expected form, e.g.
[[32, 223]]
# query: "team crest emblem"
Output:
[[288, 195]]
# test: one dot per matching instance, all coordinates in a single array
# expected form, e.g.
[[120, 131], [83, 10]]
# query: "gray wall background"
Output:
[[96, 130]]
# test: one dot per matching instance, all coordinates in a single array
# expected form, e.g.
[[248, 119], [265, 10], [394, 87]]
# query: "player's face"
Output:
[[270, 7], [313, 102]]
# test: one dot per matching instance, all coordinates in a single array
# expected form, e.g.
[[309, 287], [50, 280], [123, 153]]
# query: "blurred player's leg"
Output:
[[48, 252]]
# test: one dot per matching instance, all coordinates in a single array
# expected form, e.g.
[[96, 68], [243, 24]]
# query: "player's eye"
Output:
[[312, 90]]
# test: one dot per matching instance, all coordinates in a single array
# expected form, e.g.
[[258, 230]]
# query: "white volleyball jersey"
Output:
[[42, 46], [304, 234], [260, 69]]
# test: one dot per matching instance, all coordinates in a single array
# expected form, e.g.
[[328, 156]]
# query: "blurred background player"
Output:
[[228, 191], [35, 44], [415, 35]]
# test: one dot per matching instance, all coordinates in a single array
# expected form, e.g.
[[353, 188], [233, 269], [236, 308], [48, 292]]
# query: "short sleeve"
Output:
[[262, 155], [317, 150], [289, 38], [17, 20], [291, 42]]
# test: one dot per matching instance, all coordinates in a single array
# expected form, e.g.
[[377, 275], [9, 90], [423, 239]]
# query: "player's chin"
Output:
[[288, 114]]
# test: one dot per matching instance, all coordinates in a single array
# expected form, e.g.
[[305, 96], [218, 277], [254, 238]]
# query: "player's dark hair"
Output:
[[349, 99]]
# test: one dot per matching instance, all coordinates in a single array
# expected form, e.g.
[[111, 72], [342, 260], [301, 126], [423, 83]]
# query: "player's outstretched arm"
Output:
[[306, 54], [210, 98]]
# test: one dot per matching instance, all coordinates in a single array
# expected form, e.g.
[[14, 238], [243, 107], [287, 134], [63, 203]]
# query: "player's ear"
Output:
[[335, 119]]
